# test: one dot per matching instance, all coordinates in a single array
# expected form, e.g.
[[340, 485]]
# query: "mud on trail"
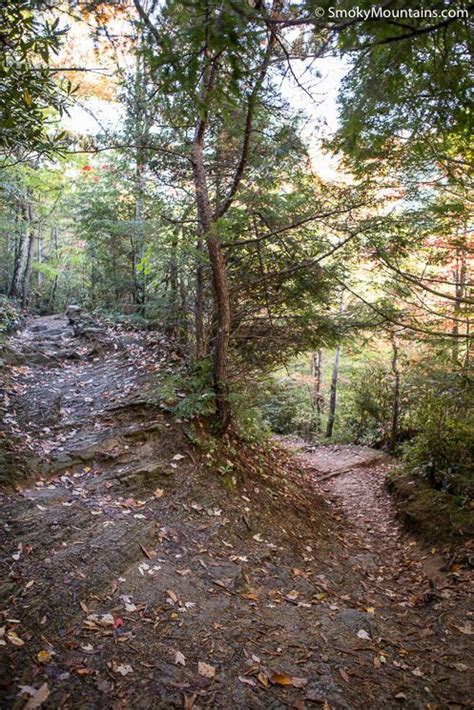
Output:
[[141, 568]]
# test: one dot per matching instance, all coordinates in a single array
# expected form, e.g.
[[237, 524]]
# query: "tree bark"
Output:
[[208, 228], [333, 394], [396, 395], [219, 279], [26, 281], [316, 368], [19, 262], [199, 304], [334, 378]]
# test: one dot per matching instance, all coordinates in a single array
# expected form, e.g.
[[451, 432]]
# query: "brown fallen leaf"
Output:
[[464, 629], [206, 670], [188, 703], [285, 679], [172, 595], [145, 551], [83, 671], [38, 698], [344, 675]]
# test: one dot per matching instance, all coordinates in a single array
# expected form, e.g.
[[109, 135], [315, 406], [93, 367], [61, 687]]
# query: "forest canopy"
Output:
[[157, 169]]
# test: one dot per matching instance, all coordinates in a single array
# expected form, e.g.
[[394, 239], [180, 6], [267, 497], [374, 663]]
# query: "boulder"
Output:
[[73, 313]]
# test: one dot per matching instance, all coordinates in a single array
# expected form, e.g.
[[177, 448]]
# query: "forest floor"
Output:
[[135, 575]]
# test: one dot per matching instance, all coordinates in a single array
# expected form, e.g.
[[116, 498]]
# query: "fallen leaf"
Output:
[[285, 679], [158, 492], [172, 595], [83, 671], [363, 635], [247, 681], [188, 703], [206, 670], [94, 620], [26, 689], [179, 658], [123, 668], [38, 698], [15, 639], [344, 675], [43, 657], [465, 629]]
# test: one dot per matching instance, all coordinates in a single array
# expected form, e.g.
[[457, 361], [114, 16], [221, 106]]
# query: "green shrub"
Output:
[[10, 316], [367, 408], [442, 418], [287, 408]]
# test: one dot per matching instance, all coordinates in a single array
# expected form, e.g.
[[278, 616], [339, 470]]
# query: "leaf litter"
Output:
[[295, 596]]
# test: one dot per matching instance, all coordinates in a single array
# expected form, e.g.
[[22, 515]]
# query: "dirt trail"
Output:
[[128, 564]]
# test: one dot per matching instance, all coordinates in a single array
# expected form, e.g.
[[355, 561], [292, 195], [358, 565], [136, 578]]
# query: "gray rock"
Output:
[[366, 562], [355, 620], [73, 313], [92, 330], [11, 356]]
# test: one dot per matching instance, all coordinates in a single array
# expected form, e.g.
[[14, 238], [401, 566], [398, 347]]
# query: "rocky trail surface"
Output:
[[140, 571]]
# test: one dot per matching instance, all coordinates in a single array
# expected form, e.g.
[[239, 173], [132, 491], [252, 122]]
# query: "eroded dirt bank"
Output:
[[135, 575]]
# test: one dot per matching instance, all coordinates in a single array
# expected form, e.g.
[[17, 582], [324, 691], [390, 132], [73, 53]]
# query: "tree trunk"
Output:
[[219, 279], [334, 378], [173, 301], [30, 242], [333, 394], [316, 370], [20, 257], [396, 395], [199, 304]]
